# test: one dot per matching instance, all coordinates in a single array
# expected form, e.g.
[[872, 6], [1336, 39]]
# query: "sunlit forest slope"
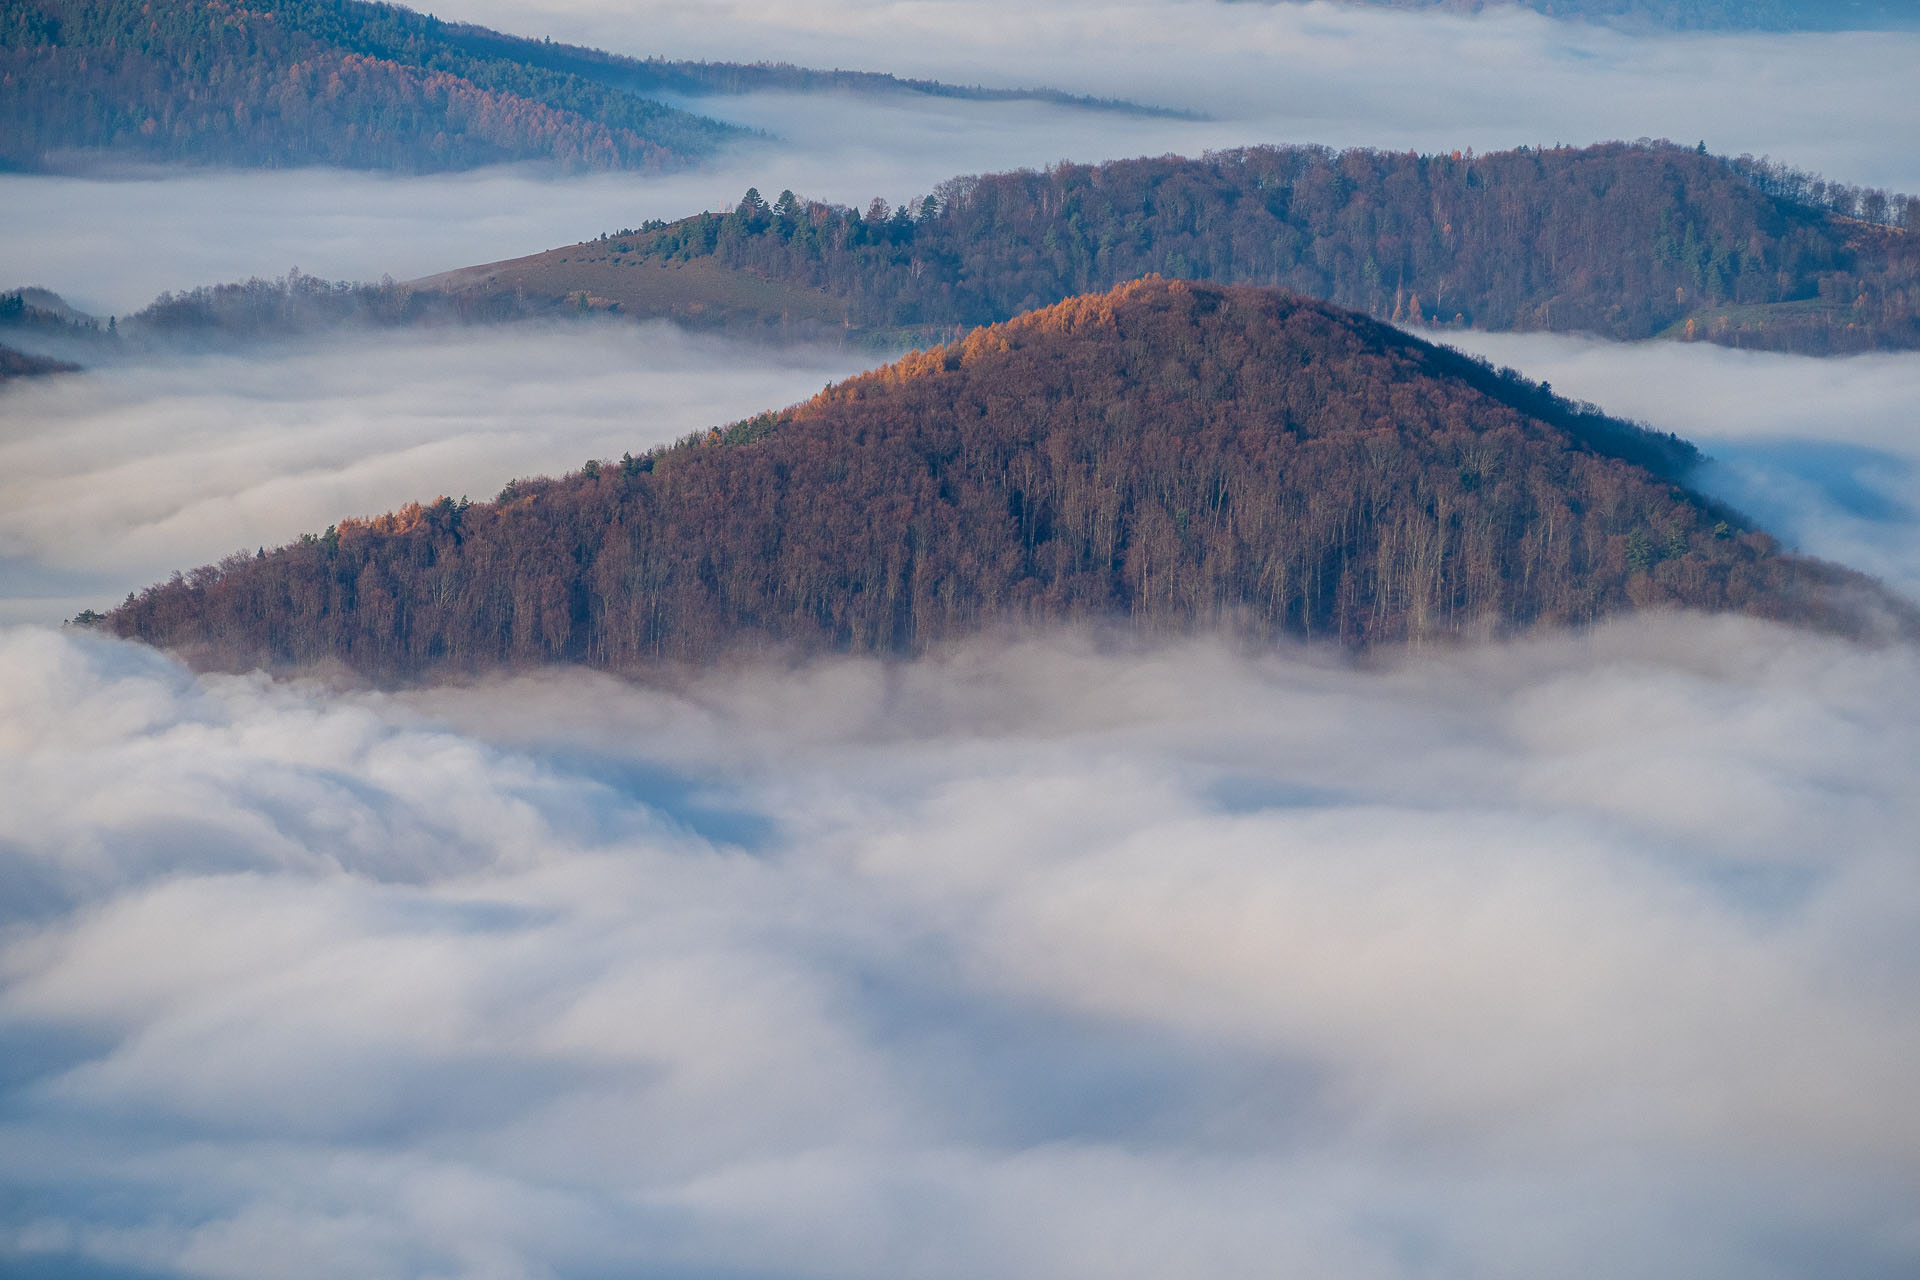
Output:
[[1173, 455]]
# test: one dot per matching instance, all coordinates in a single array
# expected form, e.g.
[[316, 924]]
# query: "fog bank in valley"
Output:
[[111, 479], [1044, 958]]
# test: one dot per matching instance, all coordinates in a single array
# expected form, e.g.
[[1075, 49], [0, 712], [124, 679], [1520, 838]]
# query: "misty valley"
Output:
[[1191, 637]]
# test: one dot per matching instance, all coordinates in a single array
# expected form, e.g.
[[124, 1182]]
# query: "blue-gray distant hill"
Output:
[[274, 83], [1705, 15]]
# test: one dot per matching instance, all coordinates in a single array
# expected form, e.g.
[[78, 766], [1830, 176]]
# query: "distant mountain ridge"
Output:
[[1172, 456], [1703, 15], [359, 85]]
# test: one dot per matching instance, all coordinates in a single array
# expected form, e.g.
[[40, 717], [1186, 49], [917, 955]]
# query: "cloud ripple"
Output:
[[1045, 957]]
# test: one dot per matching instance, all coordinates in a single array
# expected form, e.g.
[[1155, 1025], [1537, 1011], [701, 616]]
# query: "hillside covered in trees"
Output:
[[290, 82], [1178, 456], [1624, 240], [353, 84]]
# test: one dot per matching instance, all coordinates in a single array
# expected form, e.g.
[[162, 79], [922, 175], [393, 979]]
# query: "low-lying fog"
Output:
[[1581, 956], [1838, 104], [1340, 74]]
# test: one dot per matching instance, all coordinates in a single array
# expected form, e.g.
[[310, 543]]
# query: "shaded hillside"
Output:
[[1623, 240], [41, 326], [360, 85], [1176, 455], [290, 82]]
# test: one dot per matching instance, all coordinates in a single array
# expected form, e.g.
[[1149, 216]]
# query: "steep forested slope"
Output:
[[1177, 455], [1624, 240], [283, 82]]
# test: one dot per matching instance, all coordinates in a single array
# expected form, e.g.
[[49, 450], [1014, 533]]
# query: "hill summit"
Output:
[[1173, 455]]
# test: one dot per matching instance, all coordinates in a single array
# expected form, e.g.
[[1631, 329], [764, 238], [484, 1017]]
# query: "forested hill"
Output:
[[1173, 455], [1625, 240], [1707, 15], [340, 82]]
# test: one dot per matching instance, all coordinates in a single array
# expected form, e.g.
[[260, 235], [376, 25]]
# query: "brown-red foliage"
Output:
[[1177, 456]]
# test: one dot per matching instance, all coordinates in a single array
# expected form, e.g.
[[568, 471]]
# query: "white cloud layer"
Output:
[[1048, 959]]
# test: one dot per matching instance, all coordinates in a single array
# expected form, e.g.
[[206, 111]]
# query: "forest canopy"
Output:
[[1624, 240], [292, 82], [1169, 456]]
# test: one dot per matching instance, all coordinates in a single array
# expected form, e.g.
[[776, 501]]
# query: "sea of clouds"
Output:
[[1048, 956], [1043, 958]]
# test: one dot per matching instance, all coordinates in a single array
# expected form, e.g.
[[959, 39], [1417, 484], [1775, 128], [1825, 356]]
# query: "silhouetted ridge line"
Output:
[[1701, 15], [1169, 455]]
